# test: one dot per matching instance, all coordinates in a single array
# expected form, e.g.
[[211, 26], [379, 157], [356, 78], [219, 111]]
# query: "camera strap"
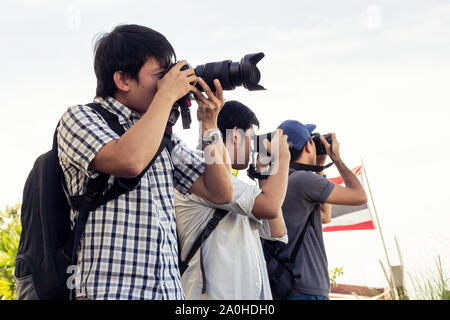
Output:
[[219, 214], [253, 174], [309, 167]]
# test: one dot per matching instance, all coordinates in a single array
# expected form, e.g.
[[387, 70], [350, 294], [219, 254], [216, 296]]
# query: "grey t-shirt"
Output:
[[306, 191]]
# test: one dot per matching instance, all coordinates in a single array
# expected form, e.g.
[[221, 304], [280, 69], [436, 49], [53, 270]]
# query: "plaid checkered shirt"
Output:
[[129, 247]]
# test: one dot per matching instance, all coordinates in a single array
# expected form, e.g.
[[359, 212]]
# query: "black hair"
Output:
[[127, 48], [235, 114], [295, 153]]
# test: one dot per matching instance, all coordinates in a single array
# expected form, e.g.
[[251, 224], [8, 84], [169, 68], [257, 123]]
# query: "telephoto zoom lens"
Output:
[[232, 74]]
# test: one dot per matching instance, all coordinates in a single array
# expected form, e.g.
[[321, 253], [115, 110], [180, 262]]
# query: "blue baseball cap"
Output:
[[298, 134]]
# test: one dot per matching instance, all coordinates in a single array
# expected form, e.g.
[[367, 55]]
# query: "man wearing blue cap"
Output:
[[307, 205]]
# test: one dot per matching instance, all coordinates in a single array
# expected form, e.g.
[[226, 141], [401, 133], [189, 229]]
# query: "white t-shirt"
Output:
[[232, 255]]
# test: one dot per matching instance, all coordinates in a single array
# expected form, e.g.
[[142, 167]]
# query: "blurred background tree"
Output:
[[10, 229]]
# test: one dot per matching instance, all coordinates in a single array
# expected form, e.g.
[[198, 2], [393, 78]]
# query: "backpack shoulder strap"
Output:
[[97, 185], [219, 214], [111, 119], [121, 185], [272, 250], [113, 123], [296, 249]]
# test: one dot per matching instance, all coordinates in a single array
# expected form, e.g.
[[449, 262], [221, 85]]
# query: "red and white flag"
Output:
[[349, 217]]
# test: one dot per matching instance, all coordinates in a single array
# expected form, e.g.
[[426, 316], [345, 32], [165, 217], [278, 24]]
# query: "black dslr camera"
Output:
[[258, 142], [230, 74], [320, 148], [259, 148]]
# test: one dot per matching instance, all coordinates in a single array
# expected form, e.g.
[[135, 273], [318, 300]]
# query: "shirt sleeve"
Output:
[[243, 200], [264, 232], [82, 132], [188, 166], [315, 188]]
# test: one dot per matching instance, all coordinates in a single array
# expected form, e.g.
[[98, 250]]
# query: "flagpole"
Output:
[[391, 282]]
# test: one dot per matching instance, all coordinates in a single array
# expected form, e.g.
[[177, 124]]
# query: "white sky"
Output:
[[375, 72]]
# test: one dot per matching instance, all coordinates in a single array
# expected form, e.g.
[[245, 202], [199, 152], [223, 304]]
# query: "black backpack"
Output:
[[48, 246], [281, 271]]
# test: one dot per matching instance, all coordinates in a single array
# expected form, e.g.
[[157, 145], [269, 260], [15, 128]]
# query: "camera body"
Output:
[[258, 141], [230, 74], [320, 148], [259, 148]]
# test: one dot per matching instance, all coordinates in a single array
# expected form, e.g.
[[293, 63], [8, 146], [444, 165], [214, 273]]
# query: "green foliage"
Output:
[[10, 229], [10, 213], [434, 285], [334, 274]]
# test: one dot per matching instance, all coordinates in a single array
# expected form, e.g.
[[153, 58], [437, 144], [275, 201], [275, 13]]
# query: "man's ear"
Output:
[[235, 135], [308, 146], [121, 80]]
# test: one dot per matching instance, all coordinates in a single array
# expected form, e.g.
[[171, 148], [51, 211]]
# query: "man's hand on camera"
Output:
[[279, 141], [209, 106], [175, 83], [332, 152], [321, 158], [262, 162]]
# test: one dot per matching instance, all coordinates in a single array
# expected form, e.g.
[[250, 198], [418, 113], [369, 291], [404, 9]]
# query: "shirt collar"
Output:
[[123, 113]]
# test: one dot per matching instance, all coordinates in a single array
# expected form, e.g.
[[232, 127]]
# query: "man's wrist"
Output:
[[285, 157], [210, 136], [262, 167], [209, 126], [164, 97], [208, 131], [337, 161]]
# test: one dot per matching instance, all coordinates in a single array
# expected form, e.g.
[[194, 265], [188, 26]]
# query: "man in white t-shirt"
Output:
[[230, 263]]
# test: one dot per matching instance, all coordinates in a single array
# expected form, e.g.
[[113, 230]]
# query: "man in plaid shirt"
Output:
[[129, 246]]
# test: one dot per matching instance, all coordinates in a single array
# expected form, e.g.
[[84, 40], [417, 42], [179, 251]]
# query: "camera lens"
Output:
[[232, 74], [216, 70]]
